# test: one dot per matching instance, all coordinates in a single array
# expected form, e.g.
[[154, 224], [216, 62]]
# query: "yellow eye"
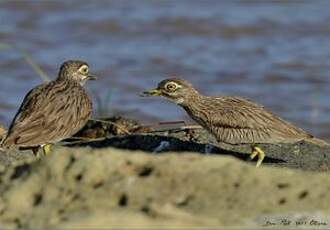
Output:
[[84, 69], [171, 86]]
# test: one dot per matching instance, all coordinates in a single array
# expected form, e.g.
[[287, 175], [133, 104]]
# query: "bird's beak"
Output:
[[150, 93], [91, 77]]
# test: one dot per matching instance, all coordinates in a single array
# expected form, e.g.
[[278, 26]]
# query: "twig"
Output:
[[171, 122], [191, 127], [28, 59], [80, 140], [85, 138]]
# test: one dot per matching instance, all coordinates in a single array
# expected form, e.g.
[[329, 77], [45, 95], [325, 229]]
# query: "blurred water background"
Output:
[[274, 52]]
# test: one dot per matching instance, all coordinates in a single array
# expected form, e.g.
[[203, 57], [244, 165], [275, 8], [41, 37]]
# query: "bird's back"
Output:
[[237, 120], [49, 113]]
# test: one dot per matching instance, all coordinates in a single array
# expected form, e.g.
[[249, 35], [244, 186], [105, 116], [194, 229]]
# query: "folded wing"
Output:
[[237, 120]]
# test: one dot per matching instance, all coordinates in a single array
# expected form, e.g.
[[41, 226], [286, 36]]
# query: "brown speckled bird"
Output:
[[232, 120], [52, 111]]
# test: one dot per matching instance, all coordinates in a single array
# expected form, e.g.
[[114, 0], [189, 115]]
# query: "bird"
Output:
[[2, 132], [231, 119], [52, 111]]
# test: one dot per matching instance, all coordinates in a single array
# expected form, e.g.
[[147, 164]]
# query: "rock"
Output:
[[163, 178], [301, 155], [106, 127], [129, 134], [112, 188]]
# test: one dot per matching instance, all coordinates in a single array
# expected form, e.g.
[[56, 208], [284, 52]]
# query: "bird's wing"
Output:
[[31, 102], [29, 121], [49, 113], [248, 118]]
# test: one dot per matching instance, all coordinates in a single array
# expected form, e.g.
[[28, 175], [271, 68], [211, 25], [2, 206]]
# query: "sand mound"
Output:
[[111, 188]]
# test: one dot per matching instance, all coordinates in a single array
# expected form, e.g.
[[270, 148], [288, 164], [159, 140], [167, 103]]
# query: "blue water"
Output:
[[274, 52]]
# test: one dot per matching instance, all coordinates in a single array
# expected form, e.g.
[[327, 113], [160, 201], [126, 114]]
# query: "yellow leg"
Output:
[[257, 151], [46, 149], [35, 151]]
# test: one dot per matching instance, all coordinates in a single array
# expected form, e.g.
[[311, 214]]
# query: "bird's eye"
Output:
[[171, 87], [84, 69]]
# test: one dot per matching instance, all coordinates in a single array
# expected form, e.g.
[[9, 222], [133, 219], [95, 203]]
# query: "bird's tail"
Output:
[[317, 141]]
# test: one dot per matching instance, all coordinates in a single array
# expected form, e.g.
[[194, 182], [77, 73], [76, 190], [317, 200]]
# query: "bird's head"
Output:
[[75, 70], [174, 89]]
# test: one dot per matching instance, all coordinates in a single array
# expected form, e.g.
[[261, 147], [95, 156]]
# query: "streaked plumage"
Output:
[[52, 111], [232, 120], [2, 132], [235, 120]]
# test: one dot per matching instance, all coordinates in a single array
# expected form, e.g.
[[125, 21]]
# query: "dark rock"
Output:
[[300, 155]]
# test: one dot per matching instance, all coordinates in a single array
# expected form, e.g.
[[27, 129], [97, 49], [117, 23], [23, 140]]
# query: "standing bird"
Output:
[[232, 120], [52, 111]]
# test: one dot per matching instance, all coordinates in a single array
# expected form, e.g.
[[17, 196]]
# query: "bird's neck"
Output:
[[191, 100], [195, 107], [64, 81]]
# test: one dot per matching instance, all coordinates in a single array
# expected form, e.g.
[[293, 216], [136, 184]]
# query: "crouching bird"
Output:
[[52, 111], [232, 120]]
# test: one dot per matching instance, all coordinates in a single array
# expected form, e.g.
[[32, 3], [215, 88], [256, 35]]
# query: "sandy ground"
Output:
[[168, 180], [111, 188]]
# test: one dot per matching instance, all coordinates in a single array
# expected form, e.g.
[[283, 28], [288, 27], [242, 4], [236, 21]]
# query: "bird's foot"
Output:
[[257, 151], [46, 149]]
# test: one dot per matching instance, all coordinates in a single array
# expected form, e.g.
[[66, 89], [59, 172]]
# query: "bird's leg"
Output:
[[257, 151], [35, 151], [46, 149]]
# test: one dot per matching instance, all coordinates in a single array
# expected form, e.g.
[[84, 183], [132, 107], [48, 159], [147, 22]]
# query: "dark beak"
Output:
[[91, 77], [151, 93]]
